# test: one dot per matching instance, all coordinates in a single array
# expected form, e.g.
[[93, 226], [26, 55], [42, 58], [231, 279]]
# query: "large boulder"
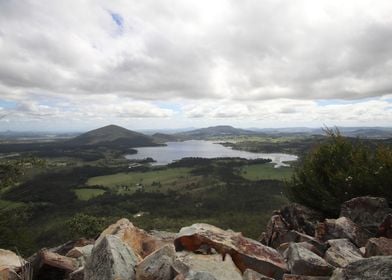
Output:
[[304, 262], [276, 232], [9, 259], [111, 259], [341, 253], [374, 268], [246, 253], [157, 265], [214, 265], [137, 239], [367, 212], [342, 228], [378, 247]]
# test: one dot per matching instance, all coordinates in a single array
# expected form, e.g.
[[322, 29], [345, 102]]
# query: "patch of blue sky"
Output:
[[168, 105], [326, 102], [8, 104], [118, 19]]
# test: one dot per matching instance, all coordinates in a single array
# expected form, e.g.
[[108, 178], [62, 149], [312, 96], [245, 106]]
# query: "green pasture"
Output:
[[266, 172]]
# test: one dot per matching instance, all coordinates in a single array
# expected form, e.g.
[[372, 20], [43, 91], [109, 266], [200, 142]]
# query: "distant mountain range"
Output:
[[113, 134]]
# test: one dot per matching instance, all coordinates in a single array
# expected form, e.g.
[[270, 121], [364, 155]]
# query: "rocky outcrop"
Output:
[[304, 251], [246, 253]]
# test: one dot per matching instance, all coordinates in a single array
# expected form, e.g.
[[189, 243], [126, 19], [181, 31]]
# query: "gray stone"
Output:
[[188, 264], [342, 252], [111, 259], [367, 212], [303, 277], [200, 275], [342, 228], [374, 268], [250, 274], [304, 262], [158, 265], [378, 247]]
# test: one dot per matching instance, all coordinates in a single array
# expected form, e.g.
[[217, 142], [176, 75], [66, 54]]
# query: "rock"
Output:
[[158, 265], [276, 233], [58, 261], [8, 274], [385, 228], [78, 252], [246, 253], [137, 239], [304, 262], [9, 259], [214, 265], [367, 212], [64, 248], [378, 247], [341, 253], [342, 228], [301, 218], [303, 277], [77, 274], [164, 236], [250, 274], [374, 268], [200, 275], [110, 259]]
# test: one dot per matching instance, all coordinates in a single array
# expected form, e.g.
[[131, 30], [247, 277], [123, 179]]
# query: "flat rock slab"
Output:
[[378, 247], [111, 259], [342, 252], [214, 265], [245, 252], [304, 262], [374, 268]]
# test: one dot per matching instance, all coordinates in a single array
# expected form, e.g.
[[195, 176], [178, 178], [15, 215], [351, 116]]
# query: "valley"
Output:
[[65, 189]]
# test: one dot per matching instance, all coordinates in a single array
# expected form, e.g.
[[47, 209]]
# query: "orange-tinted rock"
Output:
[[378, 247], [140, 241], [246, 253], [303, 277]]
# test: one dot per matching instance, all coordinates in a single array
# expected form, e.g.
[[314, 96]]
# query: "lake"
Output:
[[204, 149]]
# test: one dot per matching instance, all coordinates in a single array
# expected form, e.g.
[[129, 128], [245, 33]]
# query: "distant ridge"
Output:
[[112, 135], [220, 130]]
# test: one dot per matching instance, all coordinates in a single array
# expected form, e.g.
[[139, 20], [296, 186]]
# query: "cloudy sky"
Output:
[[76, 65]]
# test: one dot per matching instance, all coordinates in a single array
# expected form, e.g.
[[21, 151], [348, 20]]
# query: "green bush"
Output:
[[340, 169]]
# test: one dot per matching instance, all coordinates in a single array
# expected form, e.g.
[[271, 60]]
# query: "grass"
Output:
[[162, 180], [86, 193], [7, 204], [266, 172]]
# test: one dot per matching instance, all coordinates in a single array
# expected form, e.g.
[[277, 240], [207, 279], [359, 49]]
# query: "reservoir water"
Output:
[[205, 149]]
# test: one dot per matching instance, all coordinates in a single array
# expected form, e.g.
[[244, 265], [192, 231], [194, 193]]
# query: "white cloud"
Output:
[[228, 57]]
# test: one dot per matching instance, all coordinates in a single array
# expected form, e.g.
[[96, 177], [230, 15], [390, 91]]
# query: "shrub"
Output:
[[340, 169]]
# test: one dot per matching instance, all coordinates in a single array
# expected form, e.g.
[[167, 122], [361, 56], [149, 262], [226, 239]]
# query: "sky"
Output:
[[76, 65]]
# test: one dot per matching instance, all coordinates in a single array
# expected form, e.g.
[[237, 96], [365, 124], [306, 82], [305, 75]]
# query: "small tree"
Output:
[[338, 170]]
